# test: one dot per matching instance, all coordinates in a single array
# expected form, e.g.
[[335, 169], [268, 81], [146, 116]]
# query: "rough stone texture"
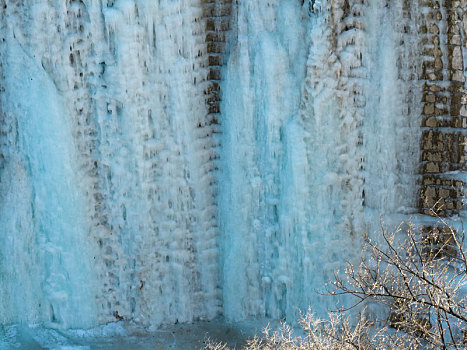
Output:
[[217, 17], [443, 139]]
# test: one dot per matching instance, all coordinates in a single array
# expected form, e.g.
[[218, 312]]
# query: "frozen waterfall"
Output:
[[176, 160]]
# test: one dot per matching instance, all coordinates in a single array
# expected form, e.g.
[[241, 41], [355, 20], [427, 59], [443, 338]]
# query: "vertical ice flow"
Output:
[[321, 128], [170, 161], [107, 164]]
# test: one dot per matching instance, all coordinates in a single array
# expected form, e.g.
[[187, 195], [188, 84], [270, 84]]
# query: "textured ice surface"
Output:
[[107, 204], [118, 200], [124, 336], [315, 112]]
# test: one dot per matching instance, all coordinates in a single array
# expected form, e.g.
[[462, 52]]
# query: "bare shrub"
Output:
[[419, 274], [416, 274]]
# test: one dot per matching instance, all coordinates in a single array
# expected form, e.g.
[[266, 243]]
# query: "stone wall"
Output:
[[444, 113], [217, 16], [444, 122]]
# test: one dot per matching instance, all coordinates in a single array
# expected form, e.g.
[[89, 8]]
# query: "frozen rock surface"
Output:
[[171, 161]]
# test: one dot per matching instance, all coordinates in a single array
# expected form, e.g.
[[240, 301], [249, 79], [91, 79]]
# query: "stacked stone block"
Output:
[[217, 17], [444, 121], [444, 116]]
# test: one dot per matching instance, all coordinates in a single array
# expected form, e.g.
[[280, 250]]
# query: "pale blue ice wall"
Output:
[[46, 257], [107, 201], [119, 200], [320, 136], [261, 97]]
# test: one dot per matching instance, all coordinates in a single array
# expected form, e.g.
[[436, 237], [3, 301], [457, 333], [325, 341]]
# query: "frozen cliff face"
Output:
[[321, 128], [107, 200], [329, 121], [168, 161]]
